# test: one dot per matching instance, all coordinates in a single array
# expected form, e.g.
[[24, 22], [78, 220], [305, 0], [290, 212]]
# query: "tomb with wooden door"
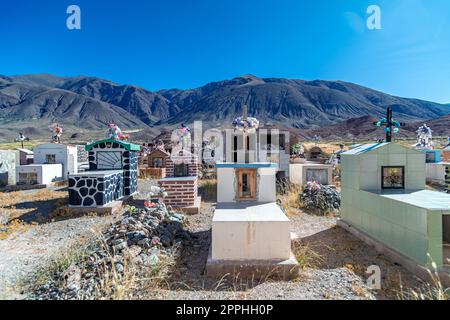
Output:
[[181, 181], [251, 235]]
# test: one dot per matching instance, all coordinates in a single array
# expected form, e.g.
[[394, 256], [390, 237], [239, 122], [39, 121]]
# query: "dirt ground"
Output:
[[31, 234]]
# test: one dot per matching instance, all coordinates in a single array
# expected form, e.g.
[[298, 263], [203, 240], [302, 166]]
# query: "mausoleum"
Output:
[[384, 202]]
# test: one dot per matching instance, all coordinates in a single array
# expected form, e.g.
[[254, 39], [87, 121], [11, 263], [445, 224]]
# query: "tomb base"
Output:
[[251, 239], [108, 209], [253, 269], [24, 187], [394, 256]]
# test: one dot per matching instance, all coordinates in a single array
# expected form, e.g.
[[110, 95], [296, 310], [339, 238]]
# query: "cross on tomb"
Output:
[[391, 126]]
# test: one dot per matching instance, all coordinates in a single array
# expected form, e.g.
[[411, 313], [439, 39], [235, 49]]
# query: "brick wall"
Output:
[[184, 157], [180, 193]]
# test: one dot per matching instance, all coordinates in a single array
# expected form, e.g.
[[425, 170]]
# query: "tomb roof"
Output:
[[127, 145], [253, 165], [427, 199], [365, 148]]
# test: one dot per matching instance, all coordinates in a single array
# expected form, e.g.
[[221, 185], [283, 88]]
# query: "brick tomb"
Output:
[[181, 182]]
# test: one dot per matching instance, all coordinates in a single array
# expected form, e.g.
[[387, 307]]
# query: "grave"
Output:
[[9, 159], [26, 156], [181, 182], [52, 163], [156, 164], [111, 179], [302, 173], [385, 203], [446, 154], [39, 175], [250, 233], [52, 153], [316, 154], [435, 171]]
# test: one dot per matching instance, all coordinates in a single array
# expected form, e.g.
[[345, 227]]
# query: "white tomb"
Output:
[[250, 233], [52, 162], [51, 153], [39, 174]]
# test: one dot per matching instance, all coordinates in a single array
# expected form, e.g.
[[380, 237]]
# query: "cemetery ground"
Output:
[[35, 237]]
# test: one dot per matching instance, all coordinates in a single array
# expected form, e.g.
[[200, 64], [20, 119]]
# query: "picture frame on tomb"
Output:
[[392, 177]]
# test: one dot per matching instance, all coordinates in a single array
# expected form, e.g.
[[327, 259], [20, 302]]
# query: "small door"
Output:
[[246, 184]]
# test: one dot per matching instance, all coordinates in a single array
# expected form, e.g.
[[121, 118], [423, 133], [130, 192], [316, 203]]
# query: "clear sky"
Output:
[[187, 43]]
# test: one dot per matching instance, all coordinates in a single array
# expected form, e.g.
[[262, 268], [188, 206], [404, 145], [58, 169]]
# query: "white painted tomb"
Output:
[[301, 173], [39, 174], [250, 233], [50, 153]]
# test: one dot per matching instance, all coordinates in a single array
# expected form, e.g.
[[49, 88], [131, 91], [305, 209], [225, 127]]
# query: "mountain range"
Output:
[[34, 103]]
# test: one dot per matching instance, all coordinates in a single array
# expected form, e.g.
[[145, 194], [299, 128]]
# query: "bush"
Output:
[[321, 199]]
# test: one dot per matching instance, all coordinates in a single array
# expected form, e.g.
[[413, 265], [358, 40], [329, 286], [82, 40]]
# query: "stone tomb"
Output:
[[112, 175], [181, 182], [96, 188], [250, 233]]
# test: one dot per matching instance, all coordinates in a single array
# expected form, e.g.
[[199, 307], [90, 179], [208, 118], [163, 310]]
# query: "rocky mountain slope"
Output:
[[38, 101]]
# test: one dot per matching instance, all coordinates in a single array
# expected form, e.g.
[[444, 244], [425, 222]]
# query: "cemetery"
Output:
[[248, 231]]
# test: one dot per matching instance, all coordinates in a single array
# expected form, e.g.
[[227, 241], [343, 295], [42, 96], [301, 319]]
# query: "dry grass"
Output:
[[434, 289], [208, 189], [10, 201], [289, 197], [307, 256], [130, 284]]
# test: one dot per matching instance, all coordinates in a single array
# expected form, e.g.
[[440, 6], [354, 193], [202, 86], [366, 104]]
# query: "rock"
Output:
[[140, 237], [119, 267]]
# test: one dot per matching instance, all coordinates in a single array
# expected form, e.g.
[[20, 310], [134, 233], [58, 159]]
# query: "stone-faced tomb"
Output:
[[112, 174]]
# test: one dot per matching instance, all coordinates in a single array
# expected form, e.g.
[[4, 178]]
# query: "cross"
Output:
[[391, 125]]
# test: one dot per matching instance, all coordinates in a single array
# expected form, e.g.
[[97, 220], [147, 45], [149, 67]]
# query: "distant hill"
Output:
[[363, 128], [89, 103]]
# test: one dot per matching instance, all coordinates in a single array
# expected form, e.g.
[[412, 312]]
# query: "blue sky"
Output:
[[185, 44]]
